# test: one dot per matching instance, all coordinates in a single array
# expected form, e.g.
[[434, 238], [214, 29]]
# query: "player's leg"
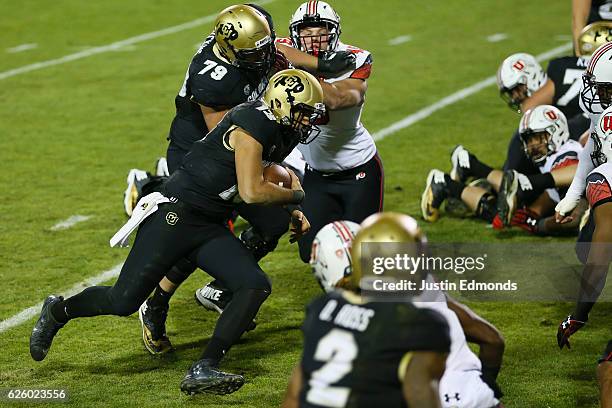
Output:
[[157, 246], [363, 194], [267, 225], [604, 376], [320, 206], [225, 258]]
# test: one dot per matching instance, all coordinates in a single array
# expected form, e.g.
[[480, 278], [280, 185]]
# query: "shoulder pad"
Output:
[[565, 159], [598, 189]]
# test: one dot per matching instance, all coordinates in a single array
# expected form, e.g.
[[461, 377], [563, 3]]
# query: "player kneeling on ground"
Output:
[[514, 199], [187, 220], [468, 381]]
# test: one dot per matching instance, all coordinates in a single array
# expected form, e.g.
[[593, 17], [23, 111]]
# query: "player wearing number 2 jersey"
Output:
[[360, 352]]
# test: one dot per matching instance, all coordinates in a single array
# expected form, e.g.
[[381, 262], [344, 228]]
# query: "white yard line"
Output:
[[32, 311], [493, 38], [70, 222], [21, 48], [400, 40], [114, 46], [409, 120], [455, 97]]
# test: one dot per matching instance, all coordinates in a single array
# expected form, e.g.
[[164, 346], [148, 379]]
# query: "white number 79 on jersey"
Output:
[[337, 349]]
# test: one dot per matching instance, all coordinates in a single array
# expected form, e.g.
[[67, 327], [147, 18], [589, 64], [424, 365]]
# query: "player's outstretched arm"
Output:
[[488, 337], [344, 94], [252, 187], [327, 65], [420, 383], [292, 395]]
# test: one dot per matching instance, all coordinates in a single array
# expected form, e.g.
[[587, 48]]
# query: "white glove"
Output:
[[567, 205]]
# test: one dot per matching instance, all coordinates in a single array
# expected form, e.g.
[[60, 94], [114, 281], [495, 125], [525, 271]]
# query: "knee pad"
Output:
[[259, 245], [487, 207]]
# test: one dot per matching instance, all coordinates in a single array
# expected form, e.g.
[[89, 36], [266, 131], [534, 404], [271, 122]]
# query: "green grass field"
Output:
[[70, 132]]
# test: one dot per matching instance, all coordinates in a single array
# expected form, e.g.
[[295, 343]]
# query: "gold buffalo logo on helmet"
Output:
[[228, 31], [292, 84]]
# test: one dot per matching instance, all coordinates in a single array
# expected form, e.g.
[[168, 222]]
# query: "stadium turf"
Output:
[[70, 132]]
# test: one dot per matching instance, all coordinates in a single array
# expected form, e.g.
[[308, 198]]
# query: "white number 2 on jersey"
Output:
[[338, 350], [571, 76], [219, 70]]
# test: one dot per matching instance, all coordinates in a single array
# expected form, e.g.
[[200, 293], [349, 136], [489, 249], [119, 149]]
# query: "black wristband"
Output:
[[292, 207], [298, 196]]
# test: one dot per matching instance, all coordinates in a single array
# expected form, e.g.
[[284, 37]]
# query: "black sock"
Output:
[[539, 182], [478, 169], [215, 350], [160, 298], [455, 188], [58, 312]]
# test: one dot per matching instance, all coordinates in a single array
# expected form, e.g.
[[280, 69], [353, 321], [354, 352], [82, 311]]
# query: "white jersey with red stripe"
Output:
[[598, 185], [567, 155], [344, 143]]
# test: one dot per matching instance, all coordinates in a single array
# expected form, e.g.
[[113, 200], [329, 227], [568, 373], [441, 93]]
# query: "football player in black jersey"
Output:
[[361, 352], [187, 220], [230, 67]]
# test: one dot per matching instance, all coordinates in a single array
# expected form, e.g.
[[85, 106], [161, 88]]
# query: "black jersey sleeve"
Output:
[[257, 120], [219, 94], [555, 70]]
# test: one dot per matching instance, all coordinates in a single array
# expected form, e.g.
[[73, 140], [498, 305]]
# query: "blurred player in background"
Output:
[[525, 201], [366, 352], [468, 381], [586, 12], [187, 221]]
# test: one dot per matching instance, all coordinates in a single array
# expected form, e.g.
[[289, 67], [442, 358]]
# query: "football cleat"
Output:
[[215, 298], [203, 376], [507, 196], [460, 164], [44, 330], [135, 180], [161, 167], [153, 322], [433, 196]]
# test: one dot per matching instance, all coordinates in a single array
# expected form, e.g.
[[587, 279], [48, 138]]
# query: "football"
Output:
[[278, 175]]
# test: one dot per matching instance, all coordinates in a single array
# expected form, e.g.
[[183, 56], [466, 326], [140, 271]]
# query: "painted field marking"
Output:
[[493, 38], [70, 222], [21, 48], [400, 40]]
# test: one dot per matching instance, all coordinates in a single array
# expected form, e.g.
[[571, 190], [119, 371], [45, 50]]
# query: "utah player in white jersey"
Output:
[[344, 175], [595, 97], [594, 246], [468, 381], [545, 139]]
